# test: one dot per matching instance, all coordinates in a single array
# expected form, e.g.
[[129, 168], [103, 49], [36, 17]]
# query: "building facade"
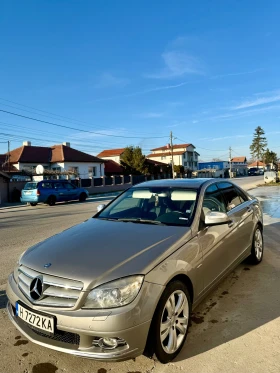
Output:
[[183, 155]]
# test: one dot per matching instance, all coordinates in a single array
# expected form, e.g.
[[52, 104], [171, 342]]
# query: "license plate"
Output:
[[28, 192], [35, 319]]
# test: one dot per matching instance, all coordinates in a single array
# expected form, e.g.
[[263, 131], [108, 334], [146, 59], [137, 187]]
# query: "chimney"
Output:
[[26, 143], [66, 144]]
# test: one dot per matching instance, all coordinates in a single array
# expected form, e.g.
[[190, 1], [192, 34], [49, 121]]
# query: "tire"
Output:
[[33, 204], [82, 197], [51, 200], [167, 323], [257, 246]]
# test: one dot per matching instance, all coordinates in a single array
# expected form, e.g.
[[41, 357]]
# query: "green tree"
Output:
[[179, 169], [259, 143], [133, 160], [270, 157]]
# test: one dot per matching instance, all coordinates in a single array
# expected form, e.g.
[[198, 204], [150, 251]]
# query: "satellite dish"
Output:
[[39, 169]]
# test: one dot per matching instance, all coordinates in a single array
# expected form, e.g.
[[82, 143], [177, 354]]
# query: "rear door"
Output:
[[60, 192], [240, 211], [70, 191], [214, 240]]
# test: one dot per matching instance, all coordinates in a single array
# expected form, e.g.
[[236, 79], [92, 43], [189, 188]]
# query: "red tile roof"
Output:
[[62, 153], [239, 159], [178, 146], [113, 167], [56, 153], [111, 153], [256, 164], [155, 163]]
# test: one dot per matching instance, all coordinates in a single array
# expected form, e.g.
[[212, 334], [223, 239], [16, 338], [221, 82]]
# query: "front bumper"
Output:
[[76, 335]]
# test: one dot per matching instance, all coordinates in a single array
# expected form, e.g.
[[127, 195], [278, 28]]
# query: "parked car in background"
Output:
[[51, 191], [125, 281], [255, 171]]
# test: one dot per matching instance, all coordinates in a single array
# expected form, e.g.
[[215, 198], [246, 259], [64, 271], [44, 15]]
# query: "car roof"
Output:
[[177, 183]]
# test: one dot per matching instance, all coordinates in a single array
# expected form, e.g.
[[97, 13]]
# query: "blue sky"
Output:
[[208, 71]]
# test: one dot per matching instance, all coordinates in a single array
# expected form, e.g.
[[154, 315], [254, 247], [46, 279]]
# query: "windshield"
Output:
[[29, 186], [169, 206]]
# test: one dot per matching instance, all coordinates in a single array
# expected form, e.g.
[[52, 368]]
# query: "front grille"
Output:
[[57, 292], [60, 335]]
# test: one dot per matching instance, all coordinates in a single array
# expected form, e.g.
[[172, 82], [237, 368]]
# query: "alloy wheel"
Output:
[[258, 244], [174, 322]]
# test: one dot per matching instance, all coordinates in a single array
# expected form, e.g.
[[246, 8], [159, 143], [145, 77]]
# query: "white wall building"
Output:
[[60, 158], [112, 154], [183, 155]]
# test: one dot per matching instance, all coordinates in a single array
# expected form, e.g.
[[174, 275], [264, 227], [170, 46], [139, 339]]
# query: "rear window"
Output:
[[30, 186]]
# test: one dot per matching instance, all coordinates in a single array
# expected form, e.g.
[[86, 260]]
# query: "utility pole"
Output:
[[172, 160], [8, 156], [230, 161]]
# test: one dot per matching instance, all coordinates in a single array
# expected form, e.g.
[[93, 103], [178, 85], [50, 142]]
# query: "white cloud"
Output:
[[256, 102], [235, 74], [109, 80], [177, 64], [150, 90]]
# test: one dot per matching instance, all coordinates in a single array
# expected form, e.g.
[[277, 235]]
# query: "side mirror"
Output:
[[216, 218], [100, 207]]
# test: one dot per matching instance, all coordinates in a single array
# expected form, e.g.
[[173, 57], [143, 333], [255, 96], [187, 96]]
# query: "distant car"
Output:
[[255, 171], [271, 177], [126, 280], [51, 191]]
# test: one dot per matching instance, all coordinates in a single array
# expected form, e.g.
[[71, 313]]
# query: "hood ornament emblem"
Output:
[[47, 265]]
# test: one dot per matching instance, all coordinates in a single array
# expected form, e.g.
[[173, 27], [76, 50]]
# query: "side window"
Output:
[[231, 196], [213, 200], [68, 186], [46, 185], [58, 186], [242, 195]]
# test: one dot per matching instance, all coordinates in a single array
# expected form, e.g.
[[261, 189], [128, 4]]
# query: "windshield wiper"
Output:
[[141, 221]]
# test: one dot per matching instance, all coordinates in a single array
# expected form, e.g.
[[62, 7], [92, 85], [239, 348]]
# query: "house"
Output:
[[239, 161], [112, 154], [256, 164], [60, 160], [113, 168], [217, 165], [183, 155]]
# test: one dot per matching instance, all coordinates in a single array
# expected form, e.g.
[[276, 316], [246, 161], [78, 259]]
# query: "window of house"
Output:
[[91, 171], [75, 170], [163, 158], [58, 169]]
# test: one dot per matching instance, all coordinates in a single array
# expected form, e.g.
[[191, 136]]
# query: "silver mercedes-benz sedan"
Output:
[[124, 282]]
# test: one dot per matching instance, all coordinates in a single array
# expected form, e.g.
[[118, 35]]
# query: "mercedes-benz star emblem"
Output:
[[47, 265], [36, 288]]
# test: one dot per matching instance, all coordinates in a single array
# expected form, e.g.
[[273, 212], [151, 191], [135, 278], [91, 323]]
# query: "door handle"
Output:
[[230, 223]]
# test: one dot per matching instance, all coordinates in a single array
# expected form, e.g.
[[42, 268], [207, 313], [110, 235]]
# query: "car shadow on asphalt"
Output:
[[245, 301], [3, 299]]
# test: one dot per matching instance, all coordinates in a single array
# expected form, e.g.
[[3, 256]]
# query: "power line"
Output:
[[80, 130], [64, 118]]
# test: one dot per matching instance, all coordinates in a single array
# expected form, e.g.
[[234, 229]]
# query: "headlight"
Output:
[[115, 294]]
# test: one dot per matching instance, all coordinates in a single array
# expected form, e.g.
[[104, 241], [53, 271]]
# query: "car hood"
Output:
[[99, 251]]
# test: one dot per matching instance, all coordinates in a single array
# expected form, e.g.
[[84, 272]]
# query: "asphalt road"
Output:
[[236, 329]]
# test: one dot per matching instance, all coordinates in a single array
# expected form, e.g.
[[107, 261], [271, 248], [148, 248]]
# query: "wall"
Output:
[[21, 166], [83, 168], [3, 190], [115, 158], [217, 165], [11, 185]]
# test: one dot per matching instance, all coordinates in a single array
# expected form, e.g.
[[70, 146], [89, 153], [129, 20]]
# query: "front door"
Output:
[[60, 192], [240, 212], [214, 241], [70, 191]]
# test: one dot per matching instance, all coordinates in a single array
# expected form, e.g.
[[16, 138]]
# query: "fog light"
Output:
[[109, 343]]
